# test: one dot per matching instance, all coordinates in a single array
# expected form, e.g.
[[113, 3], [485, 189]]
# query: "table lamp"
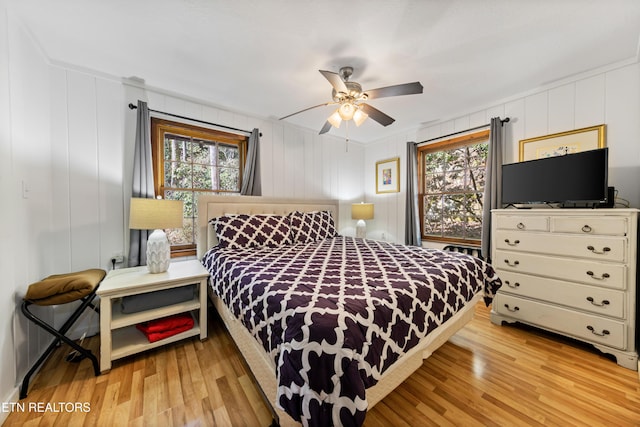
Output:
[[361, 211], [156, 214]]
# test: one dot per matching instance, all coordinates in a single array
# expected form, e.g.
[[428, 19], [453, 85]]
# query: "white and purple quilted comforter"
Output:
[[335, 314]]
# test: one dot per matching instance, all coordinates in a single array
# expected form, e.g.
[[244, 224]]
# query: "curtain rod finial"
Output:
[[132, 107]]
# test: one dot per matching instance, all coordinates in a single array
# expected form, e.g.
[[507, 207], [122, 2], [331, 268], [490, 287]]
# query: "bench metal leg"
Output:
[[59, 335]]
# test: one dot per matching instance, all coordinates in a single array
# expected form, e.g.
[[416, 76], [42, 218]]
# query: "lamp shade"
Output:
[[156, 214], [362, 211], [346, 111], [151, 214], [335, 119], [359, 117]]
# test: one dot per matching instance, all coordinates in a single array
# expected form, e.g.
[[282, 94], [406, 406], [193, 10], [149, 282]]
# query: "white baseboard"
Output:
[[8, 400]]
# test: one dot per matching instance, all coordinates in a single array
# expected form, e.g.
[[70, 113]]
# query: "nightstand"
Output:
[[118, 334]]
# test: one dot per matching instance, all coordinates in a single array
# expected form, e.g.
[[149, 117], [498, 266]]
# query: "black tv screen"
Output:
[[572, 178]]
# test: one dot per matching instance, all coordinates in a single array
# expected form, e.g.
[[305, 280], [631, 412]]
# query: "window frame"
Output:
[[160, 127], [444, 145]]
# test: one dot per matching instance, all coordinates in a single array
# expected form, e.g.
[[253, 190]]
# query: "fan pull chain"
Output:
[[346, 143]]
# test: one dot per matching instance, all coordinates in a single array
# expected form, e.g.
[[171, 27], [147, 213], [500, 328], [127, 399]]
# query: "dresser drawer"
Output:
[[587, 298], [602, 248], [518, 222], [612, 226], [608, 275], [580, 325]]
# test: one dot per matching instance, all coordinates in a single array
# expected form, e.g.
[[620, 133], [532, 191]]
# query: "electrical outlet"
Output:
[[118, 259]]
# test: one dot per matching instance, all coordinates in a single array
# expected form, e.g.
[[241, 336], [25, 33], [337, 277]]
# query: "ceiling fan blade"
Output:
[[306, 109], [403, 89], [377, 115], [335, 80], [326, 128]]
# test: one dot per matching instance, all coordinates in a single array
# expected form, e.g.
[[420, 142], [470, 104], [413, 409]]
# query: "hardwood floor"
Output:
[[485, 375]]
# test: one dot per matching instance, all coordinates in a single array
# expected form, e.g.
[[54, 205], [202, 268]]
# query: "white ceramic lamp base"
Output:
[[361, 229], [158, 252]]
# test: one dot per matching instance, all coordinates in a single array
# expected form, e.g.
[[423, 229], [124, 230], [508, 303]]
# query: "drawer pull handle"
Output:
[[604, 302], [602, 276], [593, 331], [514, 309], [515, 242], [515, 285], [604, 250], [587, 228], [520, 226], [512, 264]]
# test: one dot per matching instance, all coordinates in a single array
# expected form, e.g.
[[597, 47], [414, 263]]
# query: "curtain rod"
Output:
[[133, 107], [503, 121]]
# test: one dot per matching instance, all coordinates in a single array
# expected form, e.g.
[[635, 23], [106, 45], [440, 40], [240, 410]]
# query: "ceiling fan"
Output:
[[351, 99]]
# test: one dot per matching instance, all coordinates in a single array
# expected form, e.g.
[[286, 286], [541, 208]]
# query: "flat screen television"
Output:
[[579, 178]]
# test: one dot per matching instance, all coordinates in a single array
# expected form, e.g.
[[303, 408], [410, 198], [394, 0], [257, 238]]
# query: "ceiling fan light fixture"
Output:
[[335, 119], [346, 111], [359, 117], [350, 98]]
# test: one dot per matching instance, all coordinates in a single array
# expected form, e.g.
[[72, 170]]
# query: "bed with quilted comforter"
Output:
[[333, 314]]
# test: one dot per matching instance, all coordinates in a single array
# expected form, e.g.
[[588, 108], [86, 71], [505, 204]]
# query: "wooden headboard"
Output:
[[214, 206]]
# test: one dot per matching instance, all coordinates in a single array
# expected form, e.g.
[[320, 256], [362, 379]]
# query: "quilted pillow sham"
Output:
[[242, 231], [312, 226]]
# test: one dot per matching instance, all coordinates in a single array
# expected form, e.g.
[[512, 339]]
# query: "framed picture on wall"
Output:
[[559, 144], [388, 176]]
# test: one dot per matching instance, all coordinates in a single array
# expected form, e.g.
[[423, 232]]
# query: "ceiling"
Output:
[[262, 57]]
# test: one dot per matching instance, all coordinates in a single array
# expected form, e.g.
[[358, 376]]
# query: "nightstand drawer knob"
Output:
[[510, 243], [604, 332], [595, 251], [520, 226], [587, 228], [602, 276], [512, 264], [604, 302], [512, 285]]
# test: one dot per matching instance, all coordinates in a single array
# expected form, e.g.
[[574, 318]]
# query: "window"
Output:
[[451, 187], [189, 161]]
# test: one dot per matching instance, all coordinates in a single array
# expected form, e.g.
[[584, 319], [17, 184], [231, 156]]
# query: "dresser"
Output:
[[569, 271]]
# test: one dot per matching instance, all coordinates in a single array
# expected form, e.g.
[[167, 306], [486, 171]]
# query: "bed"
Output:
[[329, 324]]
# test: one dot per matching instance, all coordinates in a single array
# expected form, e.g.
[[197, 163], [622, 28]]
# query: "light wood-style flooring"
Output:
[[485, 375]]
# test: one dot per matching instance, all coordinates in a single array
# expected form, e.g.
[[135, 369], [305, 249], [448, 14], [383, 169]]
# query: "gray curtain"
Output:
[[412, 220], [493, 183], [251, 182], [142, 182]]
